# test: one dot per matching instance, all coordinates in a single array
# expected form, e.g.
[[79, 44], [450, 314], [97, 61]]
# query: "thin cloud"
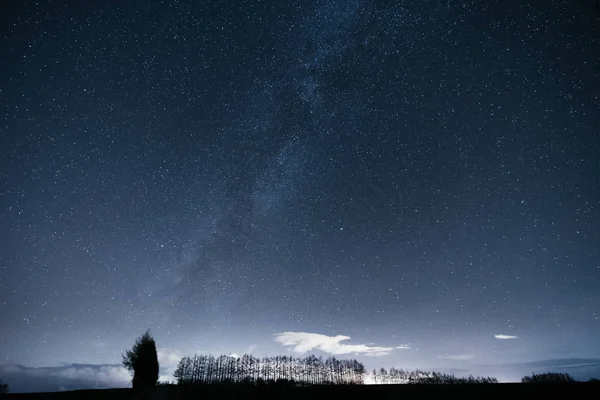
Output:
[[505, 337], [303, 342], [456, 357], [403, 347], [562, 363]]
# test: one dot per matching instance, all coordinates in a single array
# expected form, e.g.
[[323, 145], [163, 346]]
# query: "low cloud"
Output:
[[505, 337], [403, 347], [65, 377], [303, 342], [22, 378]]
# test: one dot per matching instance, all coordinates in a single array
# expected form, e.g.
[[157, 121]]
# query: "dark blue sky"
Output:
[[421, 177]]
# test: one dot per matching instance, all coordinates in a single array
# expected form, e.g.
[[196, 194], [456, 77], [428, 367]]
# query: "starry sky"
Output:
[[409, 183]]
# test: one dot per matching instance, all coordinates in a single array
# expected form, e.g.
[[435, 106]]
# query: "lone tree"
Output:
[[143, 361], [3, 386]]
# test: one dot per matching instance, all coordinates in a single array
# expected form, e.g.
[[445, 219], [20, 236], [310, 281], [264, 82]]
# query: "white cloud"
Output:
[[168, 358], [505, 337], [303, 342], [403, 347], [456, 357]]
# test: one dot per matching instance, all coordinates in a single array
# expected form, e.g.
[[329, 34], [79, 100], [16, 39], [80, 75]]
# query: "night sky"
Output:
[[412, 184]]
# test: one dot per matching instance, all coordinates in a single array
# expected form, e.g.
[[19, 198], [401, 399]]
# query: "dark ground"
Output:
[[578, 390]]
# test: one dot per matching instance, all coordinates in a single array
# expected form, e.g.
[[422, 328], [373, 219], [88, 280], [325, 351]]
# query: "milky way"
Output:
[[414, 184]]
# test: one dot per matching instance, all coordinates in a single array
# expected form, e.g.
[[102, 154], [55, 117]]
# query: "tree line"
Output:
[[549, 377], [399, 376], [249, 369], [312, 370]]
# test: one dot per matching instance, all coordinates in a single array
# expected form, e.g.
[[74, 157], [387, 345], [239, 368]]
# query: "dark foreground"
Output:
[[580, 390]]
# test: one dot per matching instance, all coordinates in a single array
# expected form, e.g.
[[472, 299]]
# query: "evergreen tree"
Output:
[[3, 387], [142, 360]]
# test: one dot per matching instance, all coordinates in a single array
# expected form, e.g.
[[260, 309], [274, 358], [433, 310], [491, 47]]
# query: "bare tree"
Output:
[[548, 377], [251, 370]]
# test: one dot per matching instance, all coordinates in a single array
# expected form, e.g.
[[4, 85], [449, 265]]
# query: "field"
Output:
[[571, 391]]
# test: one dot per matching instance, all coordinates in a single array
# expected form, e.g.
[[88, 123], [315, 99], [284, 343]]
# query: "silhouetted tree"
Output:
[[284, 370], [548, 377], [143, 361], [399, 376], [3, 387], [449, 379], [179, 372]]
